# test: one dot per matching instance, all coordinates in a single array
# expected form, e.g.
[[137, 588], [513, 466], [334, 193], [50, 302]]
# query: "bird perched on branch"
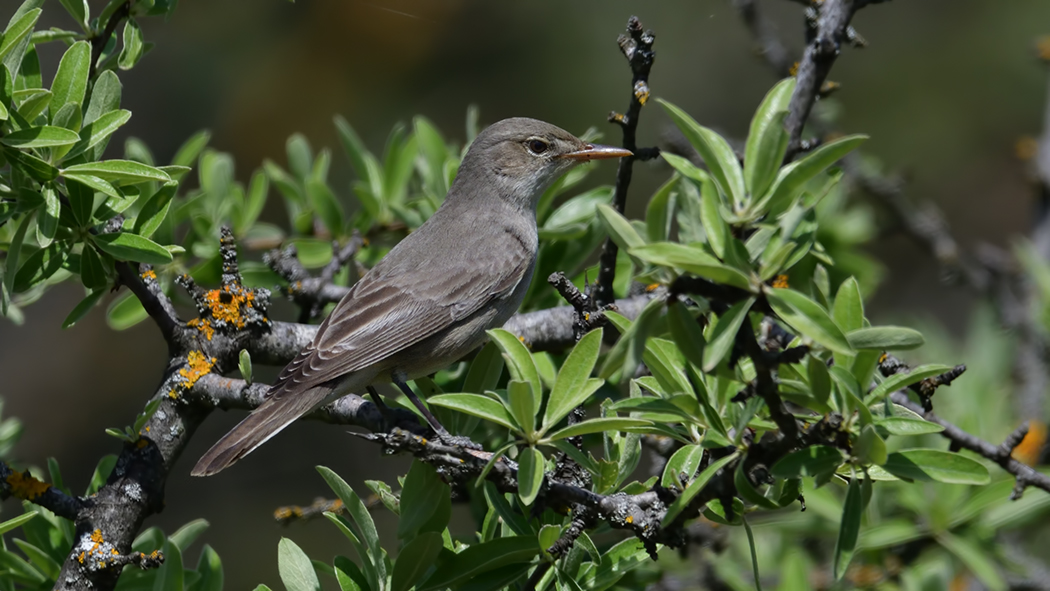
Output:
[[431, 299]]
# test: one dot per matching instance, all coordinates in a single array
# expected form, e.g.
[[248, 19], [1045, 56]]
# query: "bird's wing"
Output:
[[386, 313]]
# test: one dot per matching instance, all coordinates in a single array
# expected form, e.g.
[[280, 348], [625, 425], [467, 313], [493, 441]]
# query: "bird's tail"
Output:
[[263, 423]]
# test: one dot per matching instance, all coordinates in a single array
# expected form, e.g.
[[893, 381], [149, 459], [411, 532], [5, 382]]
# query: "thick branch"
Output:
[[145, 287]]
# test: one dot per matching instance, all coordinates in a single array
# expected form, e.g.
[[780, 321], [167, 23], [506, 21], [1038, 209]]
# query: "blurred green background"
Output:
[[946, 88]]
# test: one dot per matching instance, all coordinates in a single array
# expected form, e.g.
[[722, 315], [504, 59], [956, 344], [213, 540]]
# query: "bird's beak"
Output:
[[597, 152]]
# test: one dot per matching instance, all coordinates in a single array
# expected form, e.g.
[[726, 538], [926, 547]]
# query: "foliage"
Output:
[[730, 253]]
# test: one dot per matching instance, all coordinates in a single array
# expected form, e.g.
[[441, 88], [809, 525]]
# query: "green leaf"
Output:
[[14, 522], [977, 560], [659, 214], [132, 247], [123, 171], [188, 533], [598, 426], [152, 214], [767, 140], [98, 131], [71, 80], [691, 260], [47, 219], [789, 183], [210, 568], [124, 312], [133, 45], [723, 335], [17, 31], [819, 379], [349, 576], [713, 148], [629, 351], [570, 388], [85, 306], [78, 9], [754, 553], [522, 406], [849, 306], [297, 572], [244, 364], [682, 465], [906, 426], [885, 338], [40, 137], [686, 168], [36, 168], [92, 184], [479, 559], [476, 405], [520, 363], [414, 560], [898, 381], [422, 497], [14, 251], [92, 271], [39, 266], [849, 529], [326, 205], [870, 447], [695, 487], [813, 461], [715, 226], [933, 464], [531, 465], [686, 333], [620, 230], [807, 317]]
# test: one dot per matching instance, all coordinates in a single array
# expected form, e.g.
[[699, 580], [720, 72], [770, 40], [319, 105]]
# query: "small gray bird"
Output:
[[431, 299]]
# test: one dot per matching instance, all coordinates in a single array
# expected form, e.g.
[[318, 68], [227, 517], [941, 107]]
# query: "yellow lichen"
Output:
[[793, 70], [141, 443], [652, 287], [197, 365], [1042, 48], [81, 558], [25, 487], [780, 282], [203, 325], [149, 275], [629, 519], [96, 536], [883, 357]]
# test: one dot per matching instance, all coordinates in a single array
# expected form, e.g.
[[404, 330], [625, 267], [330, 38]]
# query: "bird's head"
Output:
[[519, 158]]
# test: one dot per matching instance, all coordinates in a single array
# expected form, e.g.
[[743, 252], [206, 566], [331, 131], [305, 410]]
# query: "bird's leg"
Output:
[[442, 434], [388, 415], [429, 416]]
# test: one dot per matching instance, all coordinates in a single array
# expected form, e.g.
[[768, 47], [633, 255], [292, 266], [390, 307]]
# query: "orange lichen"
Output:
[[337, 504], [641, 92], [524, 342], [197, 365], [1032, 444], [780, 282], [652, 287], [884, 357], [141, 443], [793, 70], [226, 302], [80, 558], [1042, 48], [203, 325], [629, 519], [149, 275], [1026, 148], [24, 486]]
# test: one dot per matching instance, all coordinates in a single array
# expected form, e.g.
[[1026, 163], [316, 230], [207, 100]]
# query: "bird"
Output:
[[431, 299]]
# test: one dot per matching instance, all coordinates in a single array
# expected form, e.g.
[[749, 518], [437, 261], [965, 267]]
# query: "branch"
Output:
[[637, 47], [23, 486], [831, 31], [770, 47], [159, 307], [98, 43], [313, 293]]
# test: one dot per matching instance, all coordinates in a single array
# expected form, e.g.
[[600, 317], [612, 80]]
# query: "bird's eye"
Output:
[[537, 146]]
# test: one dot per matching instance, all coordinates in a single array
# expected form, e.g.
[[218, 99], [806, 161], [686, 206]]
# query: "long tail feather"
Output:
[[262, 424]]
